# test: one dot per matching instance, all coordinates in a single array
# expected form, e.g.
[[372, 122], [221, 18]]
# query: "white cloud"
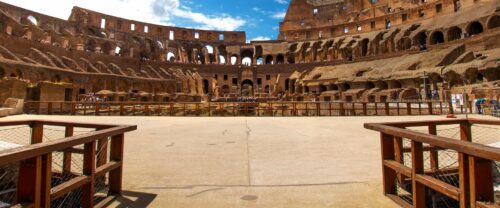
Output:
[[279, 15], [150, 11], [281, 1], [259, 38]]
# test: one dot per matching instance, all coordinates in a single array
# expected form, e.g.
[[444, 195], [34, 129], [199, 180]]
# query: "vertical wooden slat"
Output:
[[463, 169], [388, 174], [399, 155], [29, 181], [431, 108], [97, 108], [116, 154], [50, 108], [67, 154], [365, 110], [46, 180], [434, 157], [387, 111], [417, 155], [73, 108], [89, 161], [481, 181], [408, 108]]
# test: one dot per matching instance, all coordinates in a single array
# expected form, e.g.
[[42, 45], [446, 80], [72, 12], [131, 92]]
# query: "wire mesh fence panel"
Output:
[[8, 184], [14, 136]]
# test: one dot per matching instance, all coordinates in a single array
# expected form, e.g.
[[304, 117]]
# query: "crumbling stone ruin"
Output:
[[347, 50]]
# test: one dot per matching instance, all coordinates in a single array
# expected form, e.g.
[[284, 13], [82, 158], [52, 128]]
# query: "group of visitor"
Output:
[[247, 99], [482, 104]]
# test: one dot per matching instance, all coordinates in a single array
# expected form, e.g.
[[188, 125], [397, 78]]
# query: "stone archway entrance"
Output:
[[247, 88]]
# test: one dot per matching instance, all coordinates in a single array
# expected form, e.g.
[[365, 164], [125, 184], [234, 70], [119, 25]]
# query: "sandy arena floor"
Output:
[[250, 162]]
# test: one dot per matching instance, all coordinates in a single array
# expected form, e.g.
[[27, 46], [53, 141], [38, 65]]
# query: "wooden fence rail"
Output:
[[475, 184], [244, 108], [35, 176]]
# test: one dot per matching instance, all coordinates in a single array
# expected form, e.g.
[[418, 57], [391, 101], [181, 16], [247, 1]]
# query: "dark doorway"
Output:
[[247, 88]]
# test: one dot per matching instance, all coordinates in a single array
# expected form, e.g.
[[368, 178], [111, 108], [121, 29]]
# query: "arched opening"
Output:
[[247, 88], [421, 39], [33, 20], [322, 88], [280, 59], [107, 48], [170, 57], [117, 51], [404, 44], [206, 85], [334, 87], [267, 89], [346, 86], [56, 79], [222, 60], [260, 61], [269, 59], [494, 22], [364, 47], [437, 37], [370, 85], [475, 28], [234, 60], [210, 52], [246, 57], [454, 33], [246, 61], [287, 84], [90, 45]]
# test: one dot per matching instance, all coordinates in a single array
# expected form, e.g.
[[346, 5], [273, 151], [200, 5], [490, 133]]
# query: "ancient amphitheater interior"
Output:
[[326, 50], [341, 63]]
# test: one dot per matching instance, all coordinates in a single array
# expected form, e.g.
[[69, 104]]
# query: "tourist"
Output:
[[479, 106]]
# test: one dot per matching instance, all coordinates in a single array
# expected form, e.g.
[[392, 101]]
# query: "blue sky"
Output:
[[258, 18]]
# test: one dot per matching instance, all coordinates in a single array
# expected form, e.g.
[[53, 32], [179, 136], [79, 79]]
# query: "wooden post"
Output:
[[408, 108], [388, 174], [29, 181], [365, 110], [89, 160], [67, 154], [49, 108], [318, 109], [463, 166], [341, 108], [387, 111], [398, 109], [97, 108], [481, 181], [399, 156], [146, 110], [434, 157], [450, 106], [440, 108], [116, 155], [330, 108], [73, 108], [122, 110], [376, 108], [46, 183], [419, 108], [307, 109], [431, 108], [417, 155]]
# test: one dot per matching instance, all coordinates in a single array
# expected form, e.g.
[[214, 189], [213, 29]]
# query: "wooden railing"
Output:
[[243, 109], [425, 176], [34, 164]]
